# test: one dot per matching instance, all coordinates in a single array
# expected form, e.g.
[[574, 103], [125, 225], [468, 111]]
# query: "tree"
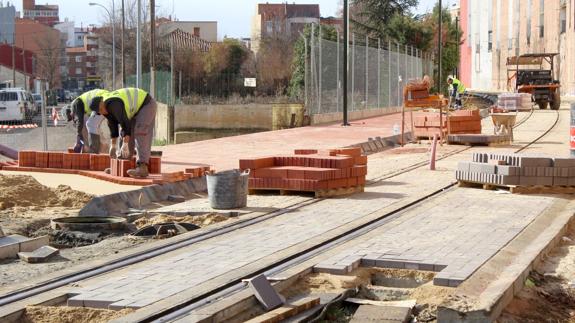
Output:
[[372, 17], [297, 81], [451, 41], [48, 59]]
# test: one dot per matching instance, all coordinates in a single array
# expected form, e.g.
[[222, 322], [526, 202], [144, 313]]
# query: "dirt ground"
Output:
[[26, 205], [199, 220], [549, 293], [427, 296], [50, 314]]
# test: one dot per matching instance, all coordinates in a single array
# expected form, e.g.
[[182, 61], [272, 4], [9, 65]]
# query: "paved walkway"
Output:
[[224, 153], [453, 234], [473, 226]]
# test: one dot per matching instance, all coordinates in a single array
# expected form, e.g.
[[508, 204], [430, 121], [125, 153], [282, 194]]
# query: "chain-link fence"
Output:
[[378, 71], [164, 92]]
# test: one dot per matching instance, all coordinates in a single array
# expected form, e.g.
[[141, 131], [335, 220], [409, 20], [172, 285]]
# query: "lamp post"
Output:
[[345, 58], [113, 40]]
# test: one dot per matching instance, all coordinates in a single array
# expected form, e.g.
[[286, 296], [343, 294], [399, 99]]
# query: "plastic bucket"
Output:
[[228, 190]]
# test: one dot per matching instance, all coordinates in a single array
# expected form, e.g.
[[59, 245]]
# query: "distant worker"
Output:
[[83, 106], [456, 90], [135, 111]]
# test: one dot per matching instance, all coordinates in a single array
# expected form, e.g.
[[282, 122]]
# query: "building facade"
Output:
[[7, 16], [46, 14], [206, 30], [23, 68], [281, 20], [495, 30]]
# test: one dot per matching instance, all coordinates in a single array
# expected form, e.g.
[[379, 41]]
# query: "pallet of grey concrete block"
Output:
[[516, 171], [478, 139], [515, 101]]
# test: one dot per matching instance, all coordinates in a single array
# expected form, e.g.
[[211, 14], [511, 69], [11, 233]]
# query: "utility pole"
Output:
[[14, 60], [153, 48], [139, 47], [345, 60], [24, 64], [122, 47], [439, 48], [457, 33]]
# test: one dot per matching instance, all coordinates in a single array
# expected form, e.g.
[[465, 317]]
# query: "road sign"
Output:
[[249, 82]]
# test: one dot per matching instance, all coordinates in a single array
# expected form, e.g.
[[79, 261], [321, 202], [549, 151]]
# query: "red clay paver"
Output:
[[224, 153]]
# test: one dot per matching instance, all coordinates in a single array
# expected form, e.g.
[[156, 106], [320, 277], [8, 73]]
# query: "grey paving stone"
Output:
[[265, 293], [564, 162], [39, 255], [508, 170]]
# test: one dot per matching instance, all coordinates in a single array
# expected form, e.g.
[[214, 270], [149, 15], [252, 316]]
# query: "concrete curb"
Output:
[[485, 295], [118, 203]]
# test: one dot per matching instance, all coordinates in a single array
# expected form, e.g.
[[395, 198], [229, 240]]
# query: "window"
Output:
[[563, 19], [490, 40], [477, 43], [541, 19], [78, 71], [197, 31], [8, 96], [78, 59], [269, 27]]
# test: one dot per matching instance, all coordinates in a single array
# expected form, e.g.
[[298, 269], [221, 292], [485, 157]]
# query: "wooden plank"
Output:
[[286, 311]]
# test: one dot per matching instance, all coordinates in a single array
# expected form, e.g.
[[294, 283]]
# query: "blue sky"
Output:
[[233, 16]]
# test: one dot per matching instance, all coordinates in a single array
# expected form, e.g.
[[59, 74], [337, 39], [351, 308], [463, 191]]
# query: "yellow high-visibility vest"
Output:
[[88, 97], [132, 98]]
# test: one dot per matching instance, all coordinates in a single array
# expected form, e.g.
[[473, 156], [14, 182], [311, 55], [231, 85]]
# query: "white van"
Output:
[[16, 104]]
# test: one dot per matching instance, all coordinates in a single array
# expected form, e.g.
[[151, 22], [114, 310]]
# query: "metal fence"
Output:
[[378, 71], [164, 86]]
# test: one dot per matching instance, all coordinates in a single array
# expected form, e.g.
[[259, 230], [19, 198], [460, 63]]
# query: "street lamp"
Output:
[[113, 40]]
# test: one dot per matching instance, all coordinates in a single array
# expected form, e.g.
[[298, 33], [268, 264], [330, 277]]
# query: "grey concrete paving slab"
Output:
[[461, 230]]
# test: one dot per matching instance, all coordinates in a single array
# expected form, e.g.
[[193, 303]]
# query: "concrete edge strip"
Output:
[[117, 203], [509, 268]]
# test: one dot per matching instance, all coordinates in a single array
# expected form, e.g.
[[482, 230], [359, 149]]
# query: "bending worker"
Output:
[[83, 106], [456, 89], [135, 111]]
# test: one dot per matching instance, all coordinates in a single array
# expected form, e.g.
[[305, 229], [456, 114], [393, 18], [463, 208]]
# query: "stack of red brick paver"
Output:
[[342, 168], [198, 171], [93, 165], [427, 124]]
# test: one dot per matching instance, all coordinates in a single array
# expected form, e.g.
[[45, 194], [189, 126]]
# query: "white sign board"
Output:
[[249, 82]]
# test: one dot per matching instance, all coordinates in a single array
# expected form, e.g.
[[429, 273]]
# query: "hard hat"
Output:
[[450, 77]]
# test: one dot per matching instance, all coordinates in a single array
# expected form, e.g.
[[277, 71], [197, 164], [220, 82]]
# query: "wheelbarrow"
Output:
[[503, 124]]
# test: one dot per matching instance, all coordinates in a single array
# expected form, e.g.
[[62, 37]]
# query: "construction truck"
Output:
[[534, 74]]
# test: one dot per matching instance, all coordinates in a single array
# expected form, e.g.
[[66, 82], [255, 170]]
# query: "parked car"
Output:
[[38, 101], [16, 104]]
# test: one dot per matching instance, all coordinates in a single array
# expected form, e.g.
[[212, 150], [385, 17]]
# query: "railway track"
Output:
[[178, 311], [185, 307]]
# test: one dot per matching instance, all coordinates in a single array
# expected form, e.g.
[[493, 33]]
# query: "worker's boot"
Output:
[[141, 171]]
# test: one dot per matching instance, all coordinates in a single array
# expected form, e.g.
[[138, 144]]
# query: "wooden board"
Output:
[[286, 311], [340, 191], [317, 194], [521, 189]]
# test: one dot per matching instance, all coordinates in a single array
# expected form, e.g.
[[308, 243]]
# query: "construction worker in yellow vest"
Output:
[[83, 106], [135, 111], [456, 90]]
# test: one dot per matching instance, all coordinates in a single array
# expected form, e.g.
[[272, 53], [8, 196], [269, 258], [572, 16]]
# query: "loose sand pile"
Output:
[[25, 191], [199, 220], [49, 314]]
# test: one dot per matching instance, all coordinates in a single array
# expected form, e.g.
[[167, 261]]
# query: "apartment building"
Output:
[[46, 14], [281, 20], [494, 30]]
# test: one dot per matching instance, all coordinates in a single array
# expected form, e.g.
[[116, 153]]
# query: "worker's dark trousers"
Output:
[[143, 132]]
